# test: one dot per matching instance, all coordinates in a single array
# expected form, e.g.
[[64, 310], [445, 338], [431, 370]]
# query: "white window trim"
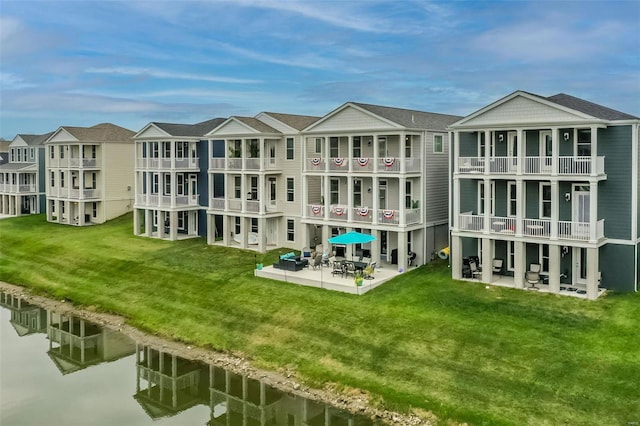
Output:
[[511, 256], [441, 144], [511, 184], [293, 230], [541, 258], [291, 191], [541, 200], [481, 199]]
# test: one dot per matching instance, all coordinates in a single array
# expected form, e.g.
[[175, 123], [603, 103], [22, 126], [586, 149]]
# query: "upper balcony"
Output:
[[364, 165], [537, 228], [74, 193], [167, 201], [8, 188], [364, 214], [541, 166], [223, 204], [239, 164], [163, 163], [74, 163]]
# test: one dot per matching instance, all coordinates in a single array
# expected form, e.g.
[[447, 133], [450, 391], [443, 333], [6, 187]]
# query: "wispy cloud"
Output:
[[158, 73]]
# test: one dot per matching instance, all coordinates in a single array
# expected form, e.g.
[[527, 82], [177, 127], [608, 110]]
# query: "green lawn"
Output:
[[422, 341]]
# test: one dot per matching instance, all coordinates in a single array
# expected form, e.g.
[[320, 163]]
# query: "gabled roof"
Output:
[[590, 108], [298, 122], [104, 132], [189, 130], [34, 140], [411, 119], [256, 124], [23, 167]]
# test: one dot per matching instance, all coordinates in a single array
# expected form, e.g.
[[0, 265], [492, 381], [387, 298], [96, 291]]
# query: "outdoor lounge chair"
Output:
[[497, 266], [337, 269], [474, 269], [532, 276], [316, 262]]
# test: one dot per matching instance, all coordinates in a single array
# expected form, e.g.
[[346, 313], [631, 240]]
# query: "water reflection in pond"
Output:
[[60, 369]]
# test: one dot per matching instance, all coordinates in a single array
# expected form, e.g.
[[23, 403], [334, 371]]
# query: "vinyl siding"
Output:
[[436, 199], [617, 260], [117, 178], [614, 194], [351, 119]]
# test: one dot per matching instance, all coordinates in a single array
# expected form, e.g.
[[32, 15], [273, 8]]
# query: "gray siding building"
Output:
[[548, 183]]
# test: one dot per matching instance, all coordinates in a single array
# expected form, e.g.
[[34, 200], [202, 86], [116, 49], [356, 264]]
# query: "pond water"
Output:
[[62, 370]]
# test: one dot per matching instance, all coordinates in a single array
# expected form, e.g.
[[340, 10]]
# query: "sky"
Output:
[[80, 63]]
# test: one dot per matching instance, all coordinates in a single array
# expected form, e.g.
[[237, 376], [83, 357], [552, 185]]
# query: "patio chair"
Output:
[[350, 269], [532, 276], [316, 262], [366, 260], [369, 270], [497, 266], [337, 269], [474, 269]]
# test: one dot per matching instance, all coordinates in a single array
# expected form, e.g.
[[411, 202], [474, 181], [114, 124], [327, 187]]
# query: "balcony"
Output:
[[363, 165], [168, 163], [392, 217], [537, 228], [542, 166], [18, 189], [156, 200], [361, 214], [235, 205], [80, 163]]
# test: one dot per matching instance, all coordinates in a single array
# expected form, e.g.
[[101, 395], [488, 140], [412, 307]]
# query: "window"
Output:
[[334, 149], [254, 187], [166, 149], [272, 189], [53, 179], [407, 195], [51, 152], [154, 183], [19, 151], [544, 258], [407, 146], [357, 147], [181, 219], [254, 224], [357, 193], [238, 228], [154, 149], [481, 198], [93, 151], [167, 184], [182, 149], [180, 184], [291, 235], [24, 154], [334, 191], [32, 153], [481, 144], [319, 145], [290, 150], [290, 189], [95, 210], [53, 207], [545, 200], [61, 179], [583, 148], [382, 146], [237, 187], [94, 180], [438, 147], [511, 201], [61, 151], [511, 255]]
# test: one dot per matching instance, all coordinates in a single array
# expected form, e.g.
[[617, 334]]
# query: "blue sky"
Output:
[[87, 62]]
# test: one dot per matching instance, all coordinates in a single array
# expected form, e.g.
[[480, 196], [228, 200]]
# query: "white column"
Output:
[[375, 200], [403, 194], [593, 211], [594, 150], [262, 235], [455, 141], [487, 205], [350, 199], [555, 150], [376, 154], [487, 260], [148, 222], [520, 206], [226, 230], [554, 268], [403, 156], [455, 205], [520, 266], [592, 273], [555, 208], [455, 255], [402, 250], [487, 152], [350, 153]]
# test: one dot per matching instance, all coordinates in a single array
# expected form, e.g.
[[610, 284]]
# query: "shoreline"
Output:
[[356, 401]]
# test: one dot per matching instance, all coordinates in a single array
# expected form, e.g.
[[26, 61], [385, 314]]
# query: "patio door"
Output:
[[546, 150], [581, 214], [512, 151], [382, 195], [579, 265]]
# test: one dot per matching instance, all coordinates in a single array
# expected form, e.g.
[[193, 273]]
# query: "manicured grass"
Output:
[[465, 352]]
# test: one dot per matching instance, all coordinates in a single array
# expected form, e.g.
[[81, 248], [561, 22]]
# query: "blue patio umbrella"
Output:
[[352, 237]]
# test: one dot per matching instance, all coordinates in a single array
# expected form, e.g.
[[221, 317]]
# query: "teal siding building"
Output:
[[546, 184]]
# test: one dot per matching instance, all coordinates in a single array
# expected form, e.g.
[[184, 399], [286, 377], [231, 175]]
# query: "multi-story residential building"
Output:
[[379, 170], [549, 181], [22, 189], [171, 180], [89, 177], [254, 180]]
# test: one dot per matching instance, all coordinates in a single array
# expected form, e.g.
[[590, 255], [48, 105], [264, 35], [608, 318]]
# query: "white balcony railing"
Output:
[[386, 216], [253, 206], [218, 203], [234, 163], [543, 228], [363, 164], [217, 163], [362, 214], [566, 165], [252, 164], [338, 212], [315, 211], [339, 164]]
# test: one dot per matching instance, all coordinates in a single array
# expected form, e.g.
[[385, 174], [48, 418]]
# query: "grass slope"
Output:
[[423, 341]]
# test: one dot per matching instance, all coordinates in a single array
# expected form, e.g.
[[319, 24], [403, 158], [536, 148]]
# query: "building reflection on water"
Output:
[[167, 384]]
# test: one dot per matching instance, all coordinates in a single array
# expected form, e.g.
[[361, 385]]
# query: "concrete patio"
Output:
[[323, 278]]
